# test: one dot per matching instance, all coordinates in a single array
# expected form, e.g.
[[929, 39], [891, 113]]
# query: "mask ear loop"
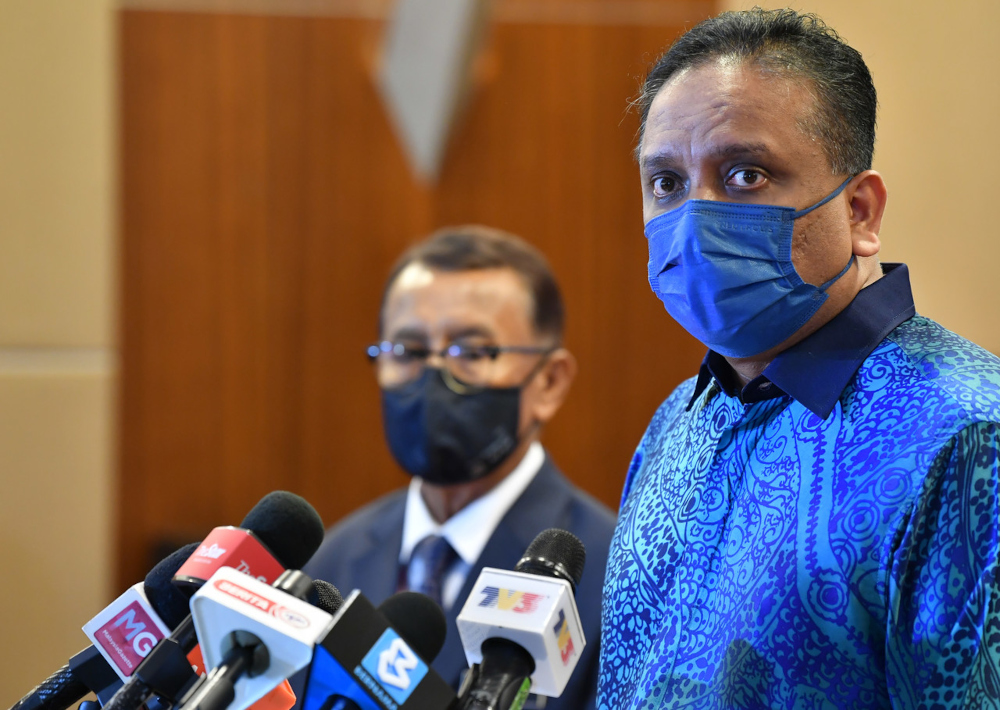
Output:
[[836, 278], [807, 210], [535, 426], [538, 366]]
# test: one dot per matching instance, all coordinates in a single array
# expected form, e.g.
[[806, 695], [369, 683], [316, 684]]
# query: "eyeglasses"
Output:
[[475, 365]]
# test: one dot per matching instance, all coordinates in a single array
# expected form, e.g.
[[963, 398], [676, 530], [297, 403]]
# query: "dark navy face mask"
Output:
[[445, 437], [724, 272]]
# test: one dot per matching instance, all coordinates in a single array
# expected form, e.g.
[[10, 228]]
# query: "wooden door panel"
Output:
[[264, 198]]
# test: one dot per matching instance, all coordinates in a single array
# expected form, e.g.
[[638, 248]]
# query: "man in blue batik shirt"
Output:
[[812, 521]]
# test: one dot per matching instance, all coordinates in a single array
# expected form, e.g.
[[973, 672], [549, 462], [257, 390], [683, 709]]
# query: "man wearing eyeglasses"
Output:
[[471, 367]]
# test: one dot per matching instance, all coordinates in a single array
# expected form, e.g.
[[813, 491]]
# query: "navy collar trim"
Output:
[[816, 370]]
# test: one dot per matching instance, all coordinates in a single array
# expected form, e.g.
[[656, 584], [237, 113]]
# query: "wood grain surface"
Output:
[[264, 196]]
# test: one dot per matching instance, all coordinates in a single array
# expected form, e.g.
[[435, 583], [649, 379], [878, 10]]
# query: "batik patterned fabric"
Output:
[[766, 557]]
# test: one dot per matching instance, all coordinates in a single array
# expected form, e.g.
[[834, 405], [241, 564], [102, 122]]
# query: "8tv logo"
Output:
[[510, 600]]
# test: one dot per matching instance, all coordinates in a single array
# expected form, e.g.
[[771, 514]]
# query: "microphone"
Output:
[[281, 532], [122, 633], [282, 527], [126, 630], [321, 594], [521, 630], [378, 659], [254, 636]]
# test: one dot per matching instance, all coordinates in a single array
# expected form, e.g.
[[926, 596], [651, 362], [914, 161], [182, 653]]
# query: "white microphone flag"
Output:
[[537, 613]]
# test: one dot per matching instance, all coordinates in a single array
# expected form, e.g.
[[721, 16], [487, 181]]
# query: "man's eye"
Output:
[[408, 353], [664, 185], [470, 352], [746, 177]]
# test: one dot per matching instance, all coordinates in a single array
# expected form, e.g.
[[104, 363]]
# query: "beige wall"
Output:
[[936, 70], [56, 329]]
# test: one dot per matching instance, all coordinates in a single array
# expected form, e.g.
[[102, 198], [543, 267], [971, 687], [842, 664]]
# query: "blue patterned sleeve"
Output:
[[943, 635]]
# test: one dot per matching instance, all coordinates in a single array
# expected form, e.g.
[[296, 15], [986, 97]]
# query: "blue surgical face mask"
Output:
[[724, 272]]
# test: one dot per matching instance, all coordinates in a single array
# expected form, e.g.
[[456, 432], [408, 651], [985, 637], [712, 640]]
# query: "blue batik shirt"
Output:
[[824, 537]]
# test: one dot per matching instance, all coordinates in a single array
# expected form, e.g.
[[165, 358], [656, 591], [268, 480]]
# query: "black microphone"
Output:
[[325, 596], [122, 630], [379, 659], [521, 630], [288, 530]]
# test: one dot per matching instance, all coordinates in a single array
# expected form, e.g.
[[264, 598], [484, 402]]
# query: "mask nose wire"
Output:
[[459, 387]]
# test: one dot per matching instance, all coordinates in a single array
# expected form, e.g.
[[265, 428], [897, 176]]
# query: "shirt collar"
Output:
[[816, 370], [468, 530]]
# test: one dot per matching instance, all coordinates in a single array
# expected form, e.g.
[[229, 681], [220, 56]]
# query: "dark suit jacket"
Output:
[[362, 552]]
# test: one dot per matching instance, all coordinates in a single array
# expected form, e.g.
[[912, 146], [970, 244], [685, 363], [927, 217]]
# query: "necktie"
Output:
[[429, 563]]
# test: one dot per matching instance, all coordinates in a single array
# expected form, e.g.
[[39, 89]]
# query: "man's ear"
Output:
[[553, 383], [867, 195]]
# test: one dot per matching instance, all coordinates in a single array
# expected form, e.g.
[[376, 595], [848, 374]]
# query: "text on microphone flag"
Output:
[[510, 600]]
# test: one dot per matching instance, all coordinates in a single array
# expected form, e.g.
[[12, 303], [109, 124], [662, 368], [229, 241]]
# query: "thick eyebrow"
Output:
[[472, 331], [732, 150], [408, 332], [652, 162]]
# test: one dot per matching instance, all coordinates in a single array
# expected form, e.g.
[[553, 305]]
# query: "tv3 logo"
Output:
[[510, 600], [563, 638]]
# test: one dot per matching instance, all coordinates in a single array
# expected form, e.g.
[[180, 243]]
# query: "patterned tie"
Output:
[[429, 563]]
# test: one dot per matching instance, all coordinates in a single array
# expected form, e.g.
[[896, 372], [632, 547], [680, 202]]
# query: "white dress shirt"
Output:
[[468, 530]]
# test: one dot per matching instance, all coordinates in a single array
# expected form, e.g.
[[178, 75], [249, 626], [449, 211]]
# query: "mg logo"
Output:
[[395, 664], [510, 600], [135, 631], [563, 639]]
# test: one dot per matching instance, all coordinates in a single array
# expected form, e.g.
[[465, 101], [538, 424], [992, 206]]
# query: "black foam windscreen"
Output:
[[325, 596], [289, 526], [419, 620], [555, 553], [167, 600]]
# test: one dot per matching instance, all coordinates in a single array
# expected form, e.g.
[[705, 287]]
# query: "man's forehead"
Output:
[[456, 299], [413, 275], [418, 277], [731, 110]]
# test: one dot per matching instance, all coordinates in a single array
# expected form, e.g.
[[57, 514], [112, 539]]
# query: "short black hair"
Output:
[[473, 247], [796, 45]]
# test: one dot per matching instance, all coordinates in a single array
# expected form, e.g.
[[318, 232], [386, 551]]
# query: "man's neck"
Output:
[[444, 501]]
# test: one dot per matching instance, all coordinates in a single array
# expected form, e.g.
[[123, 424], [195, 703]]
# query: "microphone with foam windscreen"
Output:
[[122, 634], [254, 636], [282, 530], [379, 659], [521, 630]]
